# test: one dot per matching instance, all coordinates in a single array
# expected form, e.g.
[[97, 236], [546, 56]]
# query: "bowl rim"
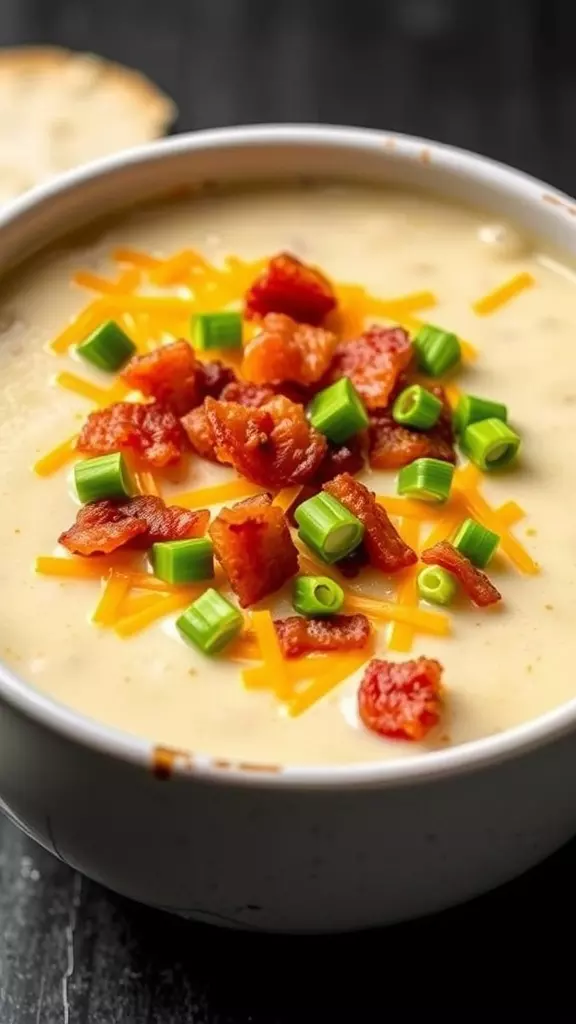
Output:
[[423, 767]]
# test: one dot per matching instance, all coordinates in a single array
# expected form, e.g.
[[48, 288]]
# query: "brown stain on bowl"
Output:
[[221, 764], [165, 759], [389, 144], [552, 200], [425, 155]]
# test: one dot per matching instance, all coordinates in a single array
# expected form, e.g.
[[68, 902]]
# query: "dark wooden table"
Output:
[[499, 78]]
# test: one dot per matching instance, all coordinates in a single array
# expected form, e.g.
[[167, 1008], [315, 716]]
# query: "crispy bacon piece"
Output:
[[475, 582], [152, 431], [289, 286], [173, 376], [373, 362], [273, 446], [288, 351], [105, 526], [401, 700], [298, 635], [393, 446], [252, 542], [343, 458], [386, 549], [199, 433], [244, 393]]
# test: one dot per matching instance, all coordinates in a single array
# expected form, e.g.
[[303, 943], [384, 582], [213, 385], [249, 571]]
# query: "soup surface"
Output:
[[501, 666]]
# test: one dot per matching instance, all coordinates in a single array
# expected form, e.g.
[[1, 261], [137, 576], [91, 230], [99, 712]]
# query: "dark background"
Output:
[[498, 77]]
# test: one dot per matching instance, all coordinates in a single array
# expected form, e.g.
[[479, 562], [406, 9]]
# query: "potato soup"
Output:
[[95, 628]]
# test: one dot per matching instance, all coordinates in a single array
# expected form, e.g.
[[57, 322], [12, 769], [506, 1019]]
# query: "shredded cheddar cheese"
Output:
[[81, 326], [86, 389], [402, 633], [287, 496], [325, 683], [503, 293], [115, 590], [127, 282], [60, 456], [135, 258], [165, 605], [232, 490], [271, 654]]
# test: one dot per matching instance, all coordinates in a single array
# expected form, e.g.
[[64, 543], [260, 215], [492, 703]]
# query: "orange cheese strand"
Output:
[[510, 513], [57, 458], [135, 258], [422, 510], [402, 633], [454, 513], [133, 603], [115, 589], [93, 568], [499, 296], [287, 496], [230, 491], [271, 653], [177, 268], [480, 509], [325, 683], [165, 605], [81, 326], [127, 282], [434, 623], [413, 325], [453, 394], [170, 305], [147, 483], [86, 389]]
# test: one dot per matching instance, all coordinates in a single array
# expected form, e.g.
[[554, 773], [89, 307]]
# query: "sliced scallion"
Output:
[[106, 477], [436, 585], [108, 347], [437, 350], [476, 542], [471, 409], [317, 595], [426, 480], [183, 561], [490, 444], [328, 528], [338, 412], [210, 622], [217, 330], [417, 408]]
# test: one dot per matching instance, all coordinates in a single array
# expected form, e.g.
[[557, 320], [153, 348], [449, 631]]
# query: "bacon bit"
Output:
[[401, 700], [244, 393], [105, 526], [273, 446], [288, 351], [373, 363], [101, 528], [215, 378], [199, 433], [253, 544], [152, 431], [298, 635], [170, 374], [476, 584], [393, 446], [289, 286], [386, 549], [344, 458]]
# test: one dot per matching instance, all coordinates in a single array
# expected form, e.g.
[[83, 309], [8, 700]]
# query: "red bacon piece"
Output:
[[152, 432], [393, 446], [215, 378], [474, 582], [199, 433], [273, 446], [252, 542], [386, 549], [401, 700], [373, 362], [289, 286], [105, 526], [288, 351], [298, 635], [343, 458], [244, 393], [174, 377]]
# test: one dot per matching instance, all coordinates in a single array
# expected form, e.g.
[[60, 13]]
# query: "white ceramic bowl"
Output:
[[252, 846]]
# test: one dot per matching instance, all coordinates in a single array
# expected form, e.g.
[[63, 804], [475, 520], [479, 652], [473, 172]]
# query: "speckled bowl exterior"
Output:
[[261, 847]]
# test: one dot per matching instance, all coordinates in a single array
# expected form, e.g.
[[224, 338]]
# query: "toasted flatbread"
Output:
[[60, 109]]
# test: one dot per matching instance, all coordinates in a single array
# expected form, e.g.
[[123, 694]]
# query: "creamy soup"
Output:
[[501, 666]]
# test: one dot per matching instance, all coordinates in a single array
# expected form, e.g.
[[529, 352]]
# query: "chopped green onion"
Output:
[[426, 480], [476, 542], [338, 411], [328, 528], [183, 561], [210, 622], [437, 351], [317, 595], [106, 477], [108, 347], [417, 408], [217, 330], [490, 444], [436, 585], [471, 409]]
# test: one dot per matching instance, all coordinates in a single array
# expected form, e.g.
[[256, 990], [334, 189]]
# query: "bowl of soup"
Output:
[[288, 558]]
